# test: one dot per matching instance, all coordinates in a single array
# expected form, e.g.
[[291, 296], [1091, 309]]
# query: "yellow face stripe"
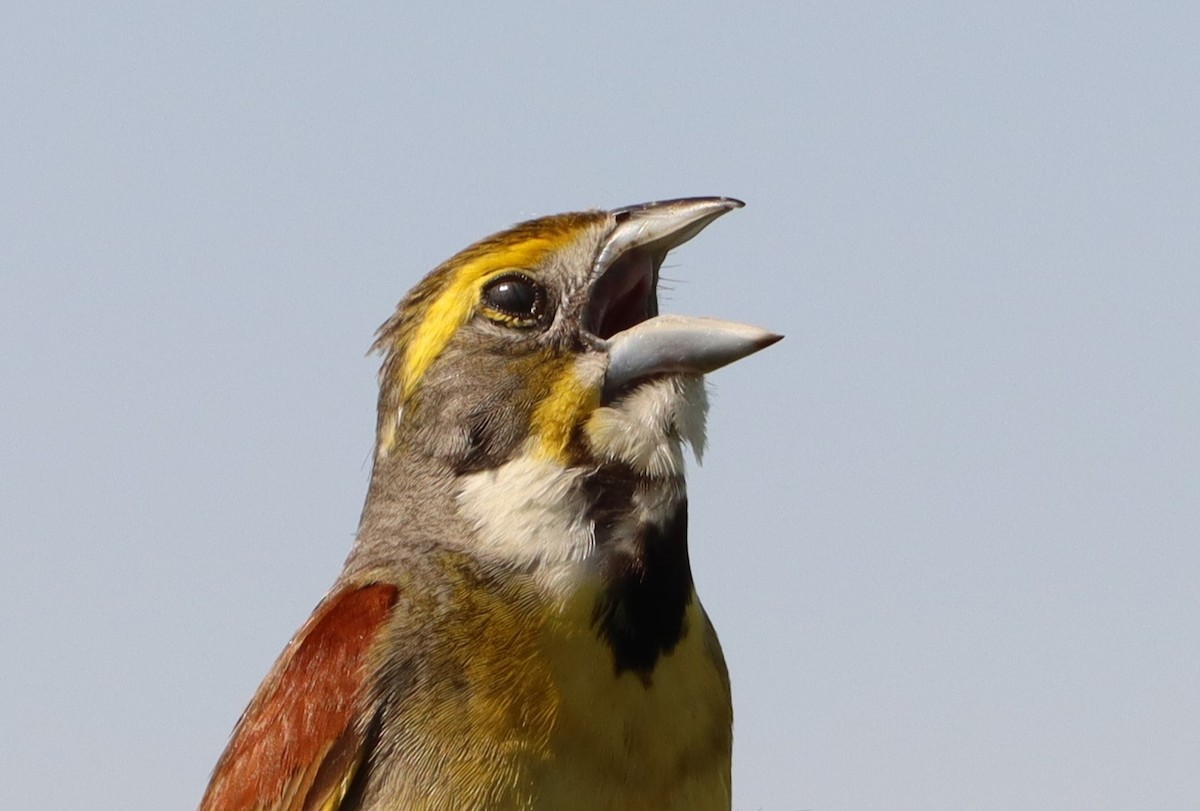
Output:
[[569, 402], [454, 306]]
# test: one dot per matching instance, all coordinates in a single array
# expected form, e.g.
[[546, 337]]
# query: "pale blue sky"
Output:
[[949, 530]]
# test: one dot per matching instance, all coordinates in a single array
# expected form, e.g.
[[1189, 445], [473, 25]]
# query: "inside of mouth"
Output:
[[624, 296]]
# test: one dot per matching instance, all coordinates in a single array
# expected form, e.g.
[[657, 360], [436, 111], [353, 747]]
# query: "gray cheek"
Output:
[[469, 414]]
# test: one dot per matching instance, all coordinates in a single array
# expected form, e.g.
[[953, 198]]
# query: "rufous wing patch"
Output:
[[300, 742]]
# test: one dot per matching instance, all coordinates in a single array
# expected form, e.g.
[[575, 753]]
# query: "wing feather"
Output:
[[300, 742]]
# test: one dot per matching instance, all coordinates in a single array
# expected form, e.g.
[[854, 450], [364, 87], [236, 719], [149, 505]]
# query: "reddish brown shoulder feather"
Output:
[[298, 737]]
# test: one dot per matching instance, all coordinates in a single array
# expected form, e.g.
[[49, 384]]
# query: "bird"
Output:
[[516, 625]]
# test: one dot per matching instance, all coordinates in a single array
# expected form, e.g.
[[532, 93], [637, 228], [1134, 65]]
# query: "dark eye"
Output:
[[515, 296]]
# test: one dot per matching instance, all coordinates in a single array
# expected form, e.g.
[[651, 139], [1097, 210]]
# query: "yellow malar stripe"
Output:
[[569, 402]]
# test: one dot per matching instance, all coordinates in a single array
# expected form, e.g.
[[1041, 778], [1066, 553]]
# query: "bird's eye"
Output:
[[515, 298]]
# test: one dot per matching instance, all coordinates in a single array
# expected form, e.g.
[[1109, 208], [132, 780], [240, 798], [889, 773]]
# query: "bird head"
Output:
[[546, 340]]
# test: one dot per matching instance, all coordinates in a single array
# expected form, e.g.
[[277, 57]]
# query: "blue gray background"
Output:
[[947, 529]]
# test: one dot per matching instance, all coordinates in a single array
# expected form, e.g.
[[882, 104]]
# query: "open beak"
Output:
[[623, 307]]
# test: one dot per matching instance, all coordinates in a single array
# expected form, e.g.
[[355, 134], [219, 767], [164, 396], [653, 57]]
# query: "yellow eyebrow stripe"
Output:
[[454, 306]]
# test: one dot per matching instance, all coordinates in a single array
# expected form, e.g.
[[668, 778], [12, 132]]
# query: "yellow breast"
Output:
[[625, 742], [540, 720]]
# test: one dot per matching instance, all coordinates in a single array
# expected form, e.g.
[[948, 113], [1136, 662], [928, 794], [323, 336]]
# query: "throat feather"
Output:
[[641, 612]]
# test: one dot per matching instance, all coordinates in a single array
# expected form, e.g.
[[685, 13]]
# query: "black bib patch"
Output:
[[642, 612]]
